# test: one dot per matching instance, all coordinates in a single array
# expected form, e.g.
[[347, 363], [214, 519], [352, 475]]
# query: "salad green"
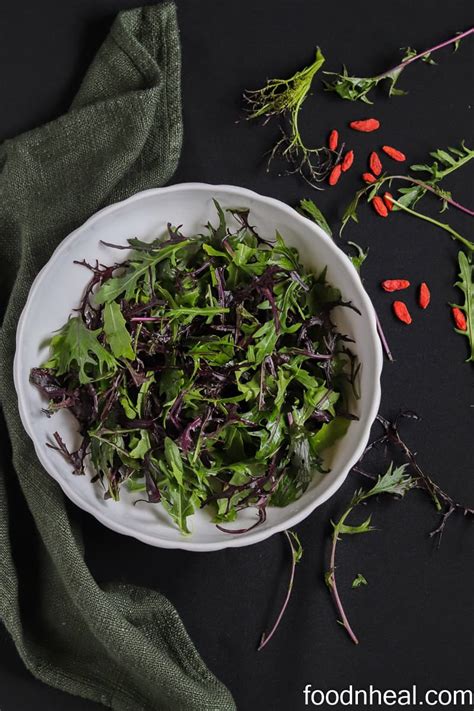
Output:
[[203, 370]]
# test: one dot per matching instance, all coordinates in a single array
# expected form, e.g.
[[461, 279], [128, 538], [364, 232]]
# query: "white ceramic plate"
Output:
[[56, 292]]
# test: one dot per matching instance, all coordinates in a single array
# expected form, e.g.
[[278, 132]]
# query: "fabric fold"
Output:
[[120, 645]]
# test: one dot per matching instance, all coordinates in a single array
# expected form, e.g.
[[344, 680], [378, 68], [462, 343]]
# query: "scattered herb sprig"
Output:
[[446, 161], [296, 554], [395, 482], [444, 503], [451, 159], [284, 98], [354, 88]]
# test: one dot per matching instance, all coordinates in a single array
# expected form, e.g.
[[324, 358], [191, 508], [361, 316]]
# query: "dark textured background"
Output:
[[415, 617]]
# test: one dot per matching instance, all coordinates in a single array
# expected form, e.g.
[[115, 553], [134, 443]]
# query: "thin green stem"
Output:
[[443, 225], [111, 444]]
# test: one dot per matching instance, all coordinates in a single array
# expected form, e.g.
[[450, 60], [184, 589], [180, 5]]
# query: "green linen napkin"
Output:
[[120, 645]]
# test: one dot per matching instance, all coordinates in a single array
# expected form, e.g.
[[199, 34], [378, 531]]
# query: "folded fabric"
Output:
[[119, 645]]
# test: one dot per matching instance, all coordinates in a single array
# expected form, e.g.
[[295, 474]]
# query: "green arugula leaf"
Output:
[[308, 207], [118, 338], [128, 405], [343, 528], [466, 284], [179, 503], [76, 344], [350, 213], [409, 196], [265, 339], [359, 580], [173, 458], [395, 481], [351, 88], [196, 311], [140, 265], [270, 439], [140, 446], [142, 393], [329, 434], [452, 159], [359, 258]]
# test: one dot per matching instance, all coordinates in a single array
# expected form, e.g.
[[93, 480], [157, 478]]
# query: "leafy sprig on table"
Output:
[[355, 88], [451, 159], [445, 505], [395, 482], [284, 98], [446, 162], [296, 550]]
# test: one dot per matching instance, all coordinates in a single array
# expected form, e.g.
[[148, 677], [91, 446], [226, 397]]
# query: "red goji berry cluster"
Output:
[[383, 205], [342, 166], [400, 309]]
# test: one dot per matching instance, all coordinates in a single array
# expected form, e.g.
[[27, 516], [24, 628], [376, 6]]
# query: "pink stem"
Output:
[[335, 593], [404, 64], [266, 638], [459, 206], [423, 185], [383, 340]]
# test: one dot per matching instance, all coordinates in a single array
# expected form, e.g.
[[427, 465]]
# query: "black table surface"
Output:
[[415, 617]]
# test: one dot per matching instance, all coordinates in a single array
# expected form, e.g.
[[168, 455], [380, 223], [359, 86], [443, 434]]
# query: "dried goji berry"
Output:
[[424, 295], [335, 174], [459, 319], [401, 312], [347, 161], [365, 125], [394, 153], [379, 206], [369, 178], [395, 284], [388, 200], [333, 140], [375, 163]]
